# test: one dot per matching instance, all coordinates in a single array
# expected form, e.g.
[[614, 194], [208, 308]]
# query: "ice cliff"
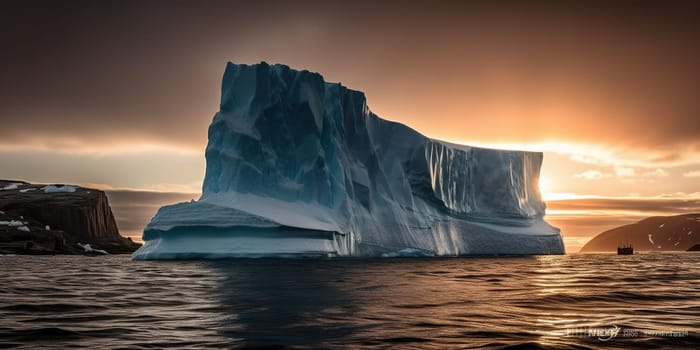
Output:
[[297, 166]]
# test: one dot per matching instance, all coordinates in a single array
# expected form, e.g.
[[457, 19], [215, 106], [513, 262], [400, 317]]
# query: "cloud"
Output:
[[665, 204], [77, 89], [98, 143], [97, 186], [625, 174], [187, 189], [695, 173], [624, 160], [658, 172], [592, 175], [622, 171]]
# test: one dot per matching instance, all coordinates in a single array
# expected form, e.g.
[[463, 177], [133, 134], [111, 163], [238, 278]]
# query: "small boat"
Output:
[[625, 249]]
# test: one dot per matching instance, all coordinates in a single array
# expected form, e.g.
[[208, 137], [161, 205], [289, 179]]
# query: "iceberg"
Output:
[[300, 167]]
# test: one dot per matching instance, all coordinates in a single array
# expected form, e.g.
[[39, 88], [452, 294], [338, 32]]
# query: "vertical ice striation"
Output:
[[298, 166], [486, 183]]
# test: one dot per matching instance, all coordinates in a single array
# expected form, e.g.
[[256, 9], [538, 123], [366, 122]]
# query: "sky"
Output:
[[119, 94]]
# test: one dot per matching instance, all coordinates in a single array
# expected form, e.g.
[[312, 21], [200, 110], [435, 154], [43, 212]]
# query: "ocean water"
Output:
[[572, 301]]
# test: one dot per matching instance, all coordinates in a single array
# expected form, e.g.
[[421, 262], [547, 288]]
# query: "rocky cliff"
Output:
[[657, 233], [53, 219]]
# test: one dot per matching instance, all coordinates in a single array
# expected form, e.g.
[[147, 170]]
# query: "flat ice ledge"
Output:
[[197, 247], [449, 239]]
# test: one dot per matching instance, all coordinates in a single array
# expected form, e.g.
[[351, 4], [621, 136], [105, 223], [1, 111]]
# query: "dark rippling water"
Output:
[[540, 302]]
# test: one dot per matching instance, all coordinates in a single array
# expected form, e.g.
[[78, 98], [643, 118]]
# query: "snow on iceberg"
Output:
[[57, 189], [297, 166]]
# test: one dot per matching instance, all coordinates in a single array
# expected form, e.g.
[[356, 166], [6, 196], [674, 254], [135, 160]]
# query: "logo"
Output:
[[606, 334], [600, 333]]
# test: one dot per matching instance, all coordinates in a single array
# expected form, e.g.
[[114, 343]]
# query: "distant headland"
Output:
[[657, 233], [57, 219]]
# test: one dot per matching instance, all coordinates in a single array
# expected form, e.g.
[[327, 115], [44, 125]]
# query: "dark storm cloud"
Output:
[[95, 73]]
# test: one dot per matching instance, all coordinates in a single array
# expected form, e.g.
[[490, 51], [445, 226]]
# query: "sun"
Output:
[[545, 185]]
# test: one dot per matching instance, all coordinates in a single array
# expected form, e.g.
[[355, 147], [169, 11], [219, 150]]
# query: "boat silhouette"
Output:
[[626, 249]]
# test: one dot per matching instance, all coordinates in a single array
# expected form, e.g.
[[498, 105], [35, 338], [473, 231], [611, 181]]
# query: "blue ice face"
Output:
[[289, 135], [273, 137], [297, 152]]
